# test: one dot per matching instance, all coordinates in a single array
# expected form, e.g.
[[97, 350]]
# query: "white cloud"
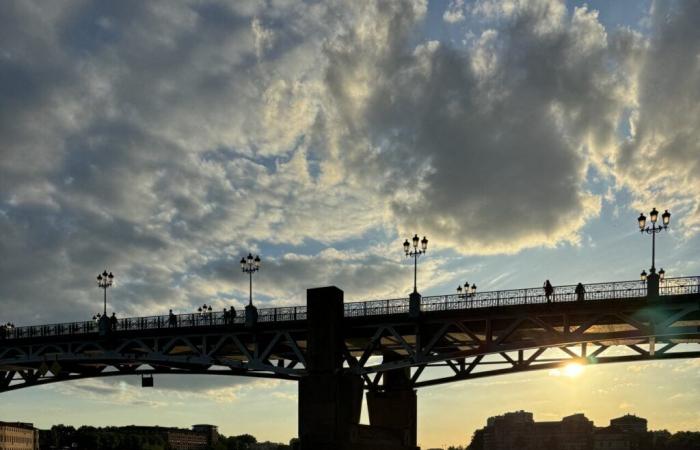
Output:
[[454, 12]]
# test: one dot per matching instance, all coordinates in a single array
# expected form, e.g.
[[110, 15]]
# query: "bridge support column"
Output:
[[414, 305], [330, 398], [396, 408], [330, 401]]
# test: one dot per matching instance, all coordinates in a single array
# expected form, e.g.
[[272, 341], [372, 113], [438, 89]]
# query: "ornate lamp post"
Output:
[[6, 329], [468, 291], [250, 265], [653, 278], [204, 311], [414, 298], [415, 253], [105, 281]]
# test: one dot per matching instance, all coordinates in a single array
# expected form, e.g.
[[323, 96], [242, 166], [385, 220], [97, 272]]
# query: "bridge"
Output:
[[388, 348]]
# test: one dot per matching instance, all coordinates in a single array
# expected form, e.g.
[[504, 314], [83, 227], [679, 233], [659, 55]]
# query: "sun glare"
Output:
[[573, 370]]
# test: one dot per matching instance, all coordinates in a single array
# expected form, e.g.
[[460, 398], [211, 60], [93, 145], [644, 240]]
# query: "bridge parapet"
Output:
[[452, 302]]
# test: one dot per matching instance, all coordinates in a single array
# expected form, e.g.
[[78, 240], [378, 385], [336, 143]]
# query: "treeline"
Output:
[[108, 438], [128, 438], [248, 442], [663, 440]]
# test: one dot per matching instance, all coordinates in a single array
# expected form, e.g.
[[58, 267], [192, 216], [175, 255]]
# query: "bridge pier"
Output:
[[396, 407], [330, 400]]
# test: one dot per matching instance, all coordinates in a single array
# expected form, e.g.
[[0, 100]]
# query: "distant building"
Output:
[[199, 437], [624, 433], [611, 438], [18, 436], [519, 431], [630, 423], [211, 431]]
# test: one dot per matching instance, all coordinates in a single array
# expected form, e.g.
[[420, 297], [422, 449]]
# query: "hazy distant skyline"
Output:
[[164, 140]]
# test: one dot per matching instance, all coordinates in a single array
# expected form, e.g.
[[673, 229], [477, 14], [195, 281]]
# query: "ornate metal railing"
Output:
[[680, 286], [488, 299]]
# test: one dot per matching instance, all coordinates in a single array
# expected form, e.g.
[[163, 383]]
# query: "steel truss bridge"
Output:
[[382, 346]]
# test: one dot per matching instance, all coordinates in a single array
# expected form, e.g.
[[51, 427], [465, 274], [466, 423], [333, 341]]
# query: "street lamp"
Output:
[[416, 252], [250, 265], [467, 290], [104, 281], [204, 310], [653, 229], [5, 329]]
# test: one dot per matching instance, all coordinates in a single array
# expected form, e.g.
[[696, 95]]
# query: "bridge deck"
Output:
[[618, 290], [489, 333]]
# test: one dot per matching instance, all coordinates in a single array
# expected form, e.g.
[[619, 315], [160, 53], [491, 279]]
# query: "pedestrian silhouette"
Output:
[[232, 315], [580, 292], [113, 322], [172, 319], [548, 290]]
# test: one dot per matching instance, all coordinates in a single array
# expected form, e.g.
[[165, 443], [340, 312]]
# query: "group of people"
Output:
[[580, 291], [108, 323], [229, 316]]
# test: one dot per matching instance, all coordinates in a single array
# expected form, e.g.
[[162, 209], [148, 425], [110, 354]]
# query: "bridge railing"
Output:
[[533, 296], [376, 307], [680, 286], [281, 314], [487, 299]]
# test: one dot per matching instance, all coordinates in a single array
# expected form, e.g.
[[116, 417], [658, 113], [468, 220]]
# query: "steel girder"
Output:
[[517, 339], [455, 345], [266, 354]]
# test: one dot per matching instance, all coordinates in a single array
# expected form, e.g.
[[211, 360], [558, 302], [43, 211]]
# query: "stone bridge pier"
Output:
[[330, 398]]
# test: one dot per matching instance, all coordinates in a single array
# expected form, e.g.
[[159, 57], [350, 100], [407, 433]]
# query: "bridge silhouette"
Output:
[[388, 348]]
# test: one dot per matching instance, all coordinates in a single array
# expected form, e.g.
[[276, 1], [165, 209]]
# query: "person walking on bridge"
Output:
[[172, 319], [232, 315], [548, 291], [580, 292]]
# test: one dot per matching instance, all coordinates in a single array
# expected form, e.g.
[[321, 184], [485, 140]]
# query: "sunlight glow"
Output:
[[573, 370]]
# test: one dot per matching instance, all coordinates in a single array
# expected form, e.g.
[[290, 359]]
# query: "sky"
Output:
[[165, 140]]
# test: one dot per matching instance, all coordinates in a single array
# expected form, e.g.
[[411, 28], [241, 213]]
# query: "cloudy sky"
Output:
[[164, 140]]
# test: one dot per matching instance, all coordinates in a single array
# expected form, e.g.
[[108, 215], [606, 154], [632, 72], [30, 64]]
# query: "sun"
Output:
[[573, 370]]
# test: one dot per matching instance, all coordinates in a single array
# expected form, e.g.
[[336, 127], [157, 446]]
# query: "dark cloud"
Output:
[[482, 147], [660, 160]]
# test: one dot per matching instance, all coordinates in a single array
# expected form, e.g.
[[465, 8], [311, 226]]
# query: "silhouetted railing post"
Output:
[[251, 316], [414, 304], [653, 286]]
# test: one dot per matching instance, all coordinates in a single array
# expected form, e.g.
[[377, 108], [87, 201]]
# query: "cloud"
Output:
[[454, 12], [483, 148], [149, 139], [659, 160]]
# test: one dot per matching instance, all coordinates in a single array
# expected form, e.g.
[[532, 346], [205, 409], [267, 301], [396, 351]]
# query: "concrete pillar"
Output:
[[251, 316], [396, 407], [414, 305], [329, 400], [653, 286]]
